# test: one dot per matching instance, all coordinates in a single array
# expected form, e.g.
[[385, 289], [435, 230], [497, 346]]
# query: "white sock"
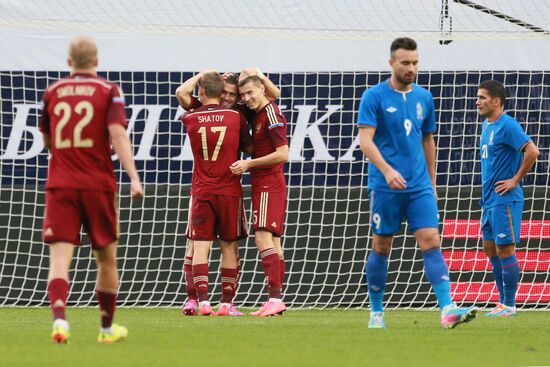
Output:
[[108, 330], [275, 300], [60, 322], [201, 303]]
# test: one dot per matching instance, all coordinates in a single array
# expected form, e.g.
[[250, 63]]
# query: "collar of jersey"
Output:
[[398, 91]]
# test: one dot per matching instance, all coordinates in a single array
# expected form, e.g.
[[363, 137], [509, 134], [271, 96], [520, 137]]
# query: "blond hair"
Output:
[[83, 52]]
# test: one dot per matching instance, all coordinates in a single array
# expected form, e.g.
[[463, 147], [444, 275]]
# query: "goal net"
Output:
[[327, 234]]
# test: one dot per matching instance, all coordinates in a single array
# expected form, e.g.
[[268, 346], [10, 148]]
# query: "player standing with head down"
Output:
[[268, 186], [82, 115], [397, 122], [216, 134], [503, 166]]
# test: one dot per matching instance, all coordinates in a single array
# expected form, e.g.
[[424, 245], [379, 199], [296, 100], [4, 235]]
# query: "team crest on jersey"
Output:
[[491, 138], [419, 111], [258, 128]]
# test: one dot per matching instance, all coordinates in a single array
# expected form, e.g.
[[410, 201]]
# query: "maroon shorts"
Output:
[[68, 210], [268, 211], [217, 216]]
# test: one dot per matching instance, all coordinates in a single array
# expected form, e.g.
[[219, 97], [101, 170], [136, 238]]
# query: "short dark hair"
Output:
[[212, 84], [495, 90], [254, 79], [405, 43], [232, 79]]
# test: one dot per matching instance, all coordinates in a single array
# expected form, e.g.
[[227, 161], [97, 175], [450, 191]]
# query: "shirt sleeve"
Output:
[[44, 122], [428, 127], [276, 128], [194, 104], [515, 136], [368, 110], [116, 113]]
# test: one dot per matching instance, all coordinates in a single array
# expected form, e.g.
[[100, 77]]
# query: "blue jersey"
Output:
[[401, 119], [500, 144]]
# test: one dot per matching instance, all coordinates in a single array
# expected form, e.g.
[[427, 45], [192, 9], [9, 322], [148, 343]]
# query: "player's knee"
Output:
[[504, 251]]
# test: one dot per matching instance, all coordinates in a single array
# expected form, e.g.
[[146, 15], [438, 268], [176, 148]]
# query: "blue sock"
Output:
[[376, 273], [438, 275], [497, 273], [510, 278]]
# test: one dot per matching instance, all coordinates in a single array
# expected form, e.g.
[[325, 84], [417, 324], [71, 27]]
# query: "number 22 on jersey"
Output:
[[64, 111]]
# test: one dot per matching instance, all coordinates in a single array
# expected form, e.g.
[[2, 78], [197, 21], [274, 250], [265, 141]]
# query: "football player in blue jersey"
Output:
[[397, 122], [507, 155]]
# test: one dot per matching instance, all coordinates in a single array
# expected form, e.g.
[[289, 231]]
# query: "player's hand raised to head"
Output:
[[136, 190], [239, 167], [227, 74], [394, 180]]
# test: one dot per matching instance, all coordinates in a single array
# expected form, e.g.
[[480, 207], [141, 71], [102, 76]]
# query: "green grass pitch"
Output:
[[163, 337]]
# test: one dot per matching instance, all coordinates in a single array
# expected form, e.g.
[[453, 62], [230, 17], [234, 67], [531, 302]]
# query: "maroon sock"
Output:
[[107, 305], [238, 277], [200, 277], [58, 291], [272, 271], [229, 283], [189, 283], [283, 269]]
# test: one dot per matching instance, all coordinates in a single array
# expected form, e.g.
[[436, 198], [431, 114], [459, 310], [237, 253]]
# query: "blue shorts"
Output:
[[502, 223], [389, 209]]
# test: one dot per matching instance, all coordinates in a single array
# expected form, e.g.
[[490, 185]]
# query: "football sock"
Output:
[[107, 305], [497, 273], [189, 283], [200, 277], [272, 271], [438, 275], [377, 274], [58, 291], [510, 278], [229, 282], [283, 268]]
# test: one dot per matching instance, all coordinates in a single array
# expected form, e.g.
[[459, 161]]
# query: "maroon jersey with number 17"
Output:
[[77, 111], [216, 134]]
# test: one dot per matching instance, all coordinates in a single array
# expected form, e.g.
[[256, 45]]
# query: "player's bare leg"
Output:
[[437, 273], [200, 275], [271, 266], [229, 276], [61, 254], [377, 273], [191, 303], [106, 292]]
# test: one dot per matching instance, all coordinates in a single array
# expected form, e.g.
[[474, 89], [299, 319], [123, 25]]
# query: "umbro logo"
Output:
[[501, 235], [391, 109]]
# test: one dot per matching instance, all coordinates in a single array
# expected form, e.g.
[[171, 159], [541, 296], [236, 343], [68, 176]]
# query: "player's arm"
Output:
[[428, 144], [271, 90], [47, 140], [531, 153], [280, 155], [44, 123], [185, 91], [123, 148], [368, 146]]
